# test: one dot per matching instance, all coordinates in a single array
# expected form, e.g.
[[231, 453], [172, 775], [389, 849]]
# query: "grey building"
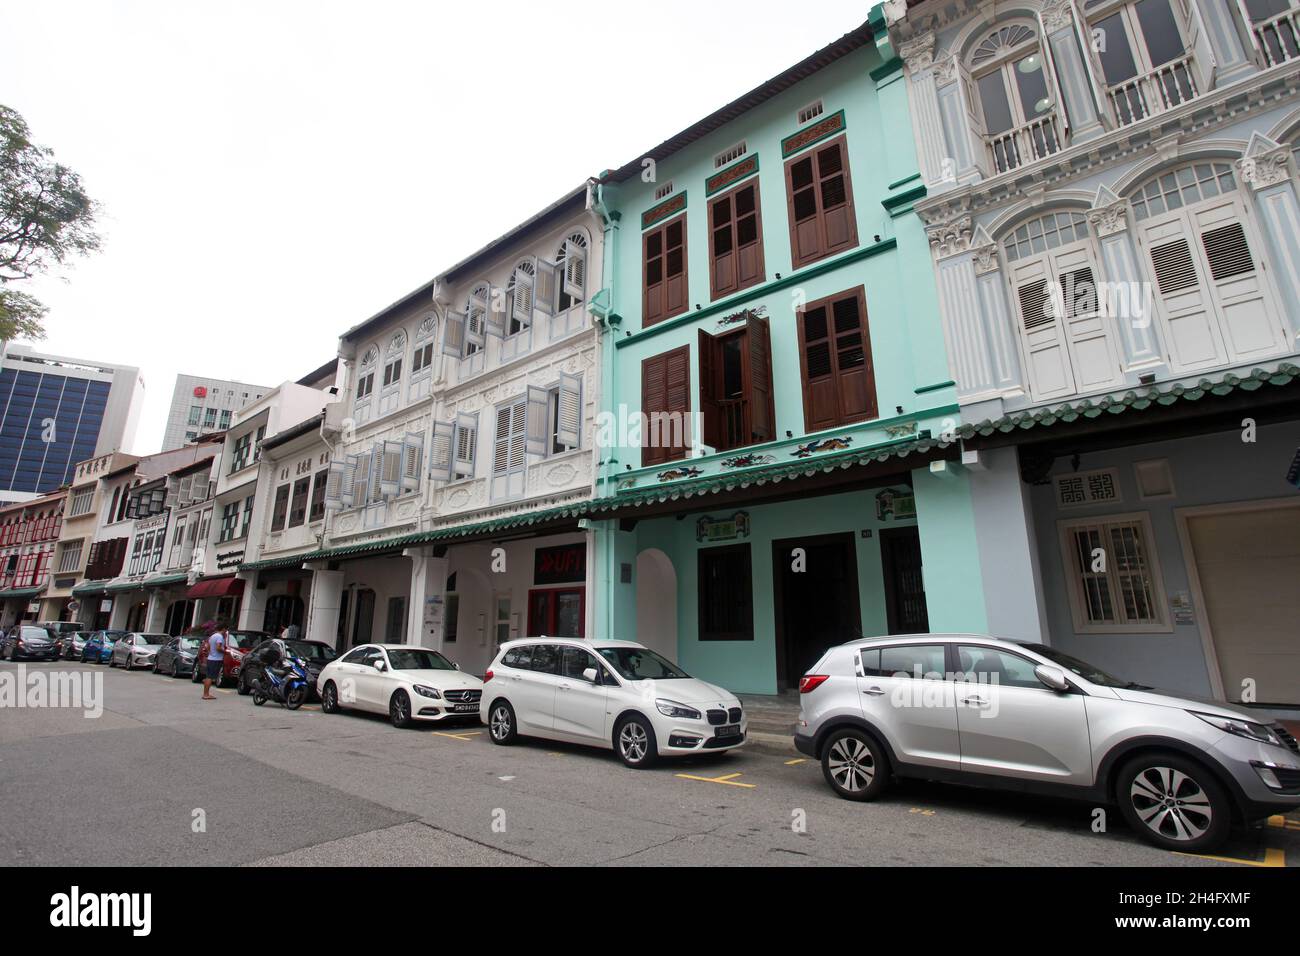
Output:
[[202, 405]]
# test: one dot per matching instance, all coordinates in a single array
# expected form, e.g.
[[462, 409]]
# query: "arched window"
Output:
[[1016, 94], [519, 304], [390, 388], [1198, 235], [422, 358], [571, 267], [365, 385], [1069, 344], [476, 309], [1145, 61]]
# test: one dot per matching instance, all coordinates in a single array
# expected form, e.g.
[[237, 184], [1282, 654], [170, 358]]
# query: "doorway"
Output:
[[281, 611], [556, 612], [900, 559], [363, 622], [816, 600]]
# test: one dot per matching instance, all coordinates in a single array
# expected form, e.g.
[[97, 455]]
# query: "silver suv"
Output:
[[972, 709]]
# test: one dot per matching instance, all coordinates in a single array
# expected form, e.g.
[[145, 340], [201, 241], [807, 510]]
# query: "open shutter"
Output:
[[569, 413], [337, 483], [1053, 79], [390, 465], [183, 492], [835, 195], [352, 480], [1203, 65], [545, 293], [412, 462], [1091, 62], [710, 410], [495, 317], [575, 270], [475, 327], [466, 441], [440, 452], [453, 334], [1250, 27], [654, 398], [758, 380], [539, 406], [522, 300], [361, 481]]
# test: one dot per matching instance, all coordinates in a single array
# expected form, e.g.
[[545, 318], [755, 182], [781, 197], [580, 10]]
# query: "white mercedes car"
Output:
[[612, 694], [405, 682]]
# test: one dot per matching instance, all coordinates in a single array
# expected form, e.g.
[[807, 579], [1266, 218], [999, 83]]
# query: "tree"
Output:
[[45, 219]]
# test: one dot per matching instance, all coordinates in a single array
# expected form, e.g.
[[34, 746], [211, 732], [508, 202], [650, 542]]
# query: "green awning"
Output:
[[90, 587], [165, 579], [21, 592]]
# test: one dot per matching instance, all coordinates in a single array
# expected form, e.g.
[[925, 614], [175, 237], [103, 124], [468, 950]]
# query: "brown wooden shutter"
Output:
[[735, 241], [665, 387], [819, 192], [758, 380], [664, 276], [710, 412], [835, 357]]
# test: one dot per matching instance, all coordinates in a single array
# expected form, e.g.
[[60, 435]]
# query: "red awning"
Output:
[[217, 587]]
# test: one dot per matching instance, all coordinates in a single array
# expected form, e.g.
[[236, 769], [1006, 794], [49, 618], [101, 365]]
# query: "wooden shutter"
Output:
[[664, 281], [575, 270], [735, 241], [710, 391], [412, 462], [757, 373], [453, 335], [440, 452], [568, 430], [495, 315], [665, 389], [539, 420], [466, 440], [835, 357], [819, 192], [545, 290]]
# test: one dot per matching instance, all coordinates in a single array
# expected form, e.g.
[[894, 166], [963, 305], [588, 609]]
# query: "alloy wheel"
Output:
[[851, 765], [633, 742], [499, 722], [1171, 804]]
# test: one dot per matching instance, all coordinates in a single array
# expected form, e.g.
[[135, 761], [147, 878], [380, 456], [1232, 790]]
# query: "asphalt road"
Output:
[[164, 778]]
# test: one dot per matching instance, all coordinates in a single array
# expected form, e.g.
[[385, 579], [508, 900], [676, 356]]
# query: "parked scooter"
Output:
[[288, 685]]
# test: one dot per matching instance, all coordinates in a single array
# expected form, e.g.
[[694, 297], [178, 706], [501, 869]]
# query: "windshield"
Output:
[[417, 660], [243, 640], [1081, 668], [310, 650], [36, 633], [155, 638], [641, 663], [190, 643]]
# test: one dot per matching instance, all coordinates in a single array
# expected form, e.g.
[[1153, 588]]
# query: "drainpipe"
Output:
[[605, 473]]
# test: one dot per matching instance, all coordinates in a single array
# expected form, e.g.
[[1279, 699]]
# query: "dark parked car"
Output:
[[74, 645], [29, 642], [177, 656], [270, 652], [99, 649], [240, 643]]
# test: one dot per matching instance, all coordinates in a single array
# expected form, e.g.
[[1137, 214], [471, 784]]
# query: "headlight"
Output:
[[670, 708], [1259, 733], [427, 691]]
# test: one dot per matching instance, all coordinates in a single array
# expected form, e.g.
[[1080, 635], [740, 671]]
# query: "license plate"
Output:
[[465, 708], [728, 730]]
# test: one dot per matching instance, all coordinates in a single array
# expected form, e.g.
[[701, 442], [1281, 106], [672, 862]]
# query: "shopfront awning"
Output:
[[21, 592], [229, 586], [165, 579]]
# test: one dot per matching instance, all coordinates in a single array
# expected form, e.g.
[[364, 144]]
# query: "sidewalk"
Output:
[[771, 721]]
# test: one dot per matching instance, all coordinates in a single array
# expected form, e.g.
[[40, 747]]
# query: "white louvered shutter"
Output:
[[440, 452], [412, 462], [390, 469], [453, 334], [545, 293], [495, 316], [539, 404], [569, 430], [575, 270], [1040, 329], [466, 441]]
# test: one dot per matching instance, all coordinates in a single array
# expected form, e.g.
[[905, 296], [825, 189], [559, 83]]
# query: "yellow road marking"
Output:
[[791, 763], [1271, 858], [554, 753], [924, 813], [728, 779], [465, 735], [1277, 821]]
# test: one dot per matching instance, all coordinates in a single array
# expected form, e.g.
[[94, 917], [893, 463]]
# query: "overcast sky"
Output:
[[273, 173]]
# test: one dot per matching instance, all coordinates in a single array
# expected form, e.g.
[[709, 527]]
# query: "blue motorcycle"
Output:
[[289, 688]]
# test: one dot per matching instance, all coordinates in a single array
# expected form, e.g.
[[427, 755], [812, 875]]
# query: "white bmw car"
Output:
[[613, 694], [405, 682]]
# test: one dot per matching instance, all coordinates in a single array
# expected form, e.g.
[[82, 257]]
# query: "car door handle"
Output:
[[975, 702], [874, 692], [564, 687]]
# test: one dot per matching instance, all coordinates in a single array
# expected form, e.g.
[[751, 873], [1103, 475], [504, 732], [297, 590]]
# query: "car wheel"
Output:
[[399, 709], [329, 699], [501, 723], [634, 739], [243, 688], [176, 669], [1173, 803], [855, 765]]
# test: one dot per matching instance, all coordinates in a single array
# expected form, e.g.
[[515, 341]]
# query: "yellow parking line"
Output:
[[466, 735], [728, 779], [923, 812], [1277, 821], [1271, 858], [791, 763]]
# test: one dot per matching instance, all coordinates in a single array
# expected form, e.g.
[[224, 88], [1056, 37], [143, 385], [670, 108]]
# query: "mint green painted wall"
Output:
[[750, 666], [954, 583]]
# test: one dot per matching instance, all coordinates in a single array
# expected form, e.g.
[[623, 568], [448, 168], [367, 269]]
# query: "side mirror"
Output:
[[591, 675], [455, 665], [381, 666], [1052, 677]]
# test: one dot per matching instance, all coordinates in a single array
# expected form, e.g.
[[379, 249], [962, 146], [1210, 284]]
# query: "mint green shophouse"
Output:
[[767, 279]]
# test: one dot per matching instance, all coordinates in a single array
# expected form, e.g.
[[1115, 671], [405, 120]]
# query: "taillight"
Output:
[[487, 677], [810, 682]]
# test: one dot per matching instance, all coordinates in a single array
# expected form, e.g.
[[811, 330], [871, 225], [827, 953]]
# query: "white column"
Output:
[[155, 619], [426, 617], [1266, 167], [121, 608], [1126, 291], [1008, 549], [932, 153], [323, 604], [252, 609]]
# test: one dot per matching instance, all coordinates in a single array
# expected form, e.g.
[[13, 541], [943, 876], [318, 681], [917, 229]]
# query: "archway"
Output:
[[656, 602]]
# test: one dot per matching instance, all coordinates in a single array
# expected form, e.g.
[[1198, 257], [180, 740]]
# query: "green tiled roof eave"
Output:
[[21, 592], [165, 579], [90, 587], [1284, 374]]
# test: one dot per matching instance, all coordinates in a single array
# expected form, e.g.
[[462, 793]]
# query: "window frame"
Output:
[[828, 302], [703, 559], [1074, 576], [661, 229], [799, 259], [729, 196]]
